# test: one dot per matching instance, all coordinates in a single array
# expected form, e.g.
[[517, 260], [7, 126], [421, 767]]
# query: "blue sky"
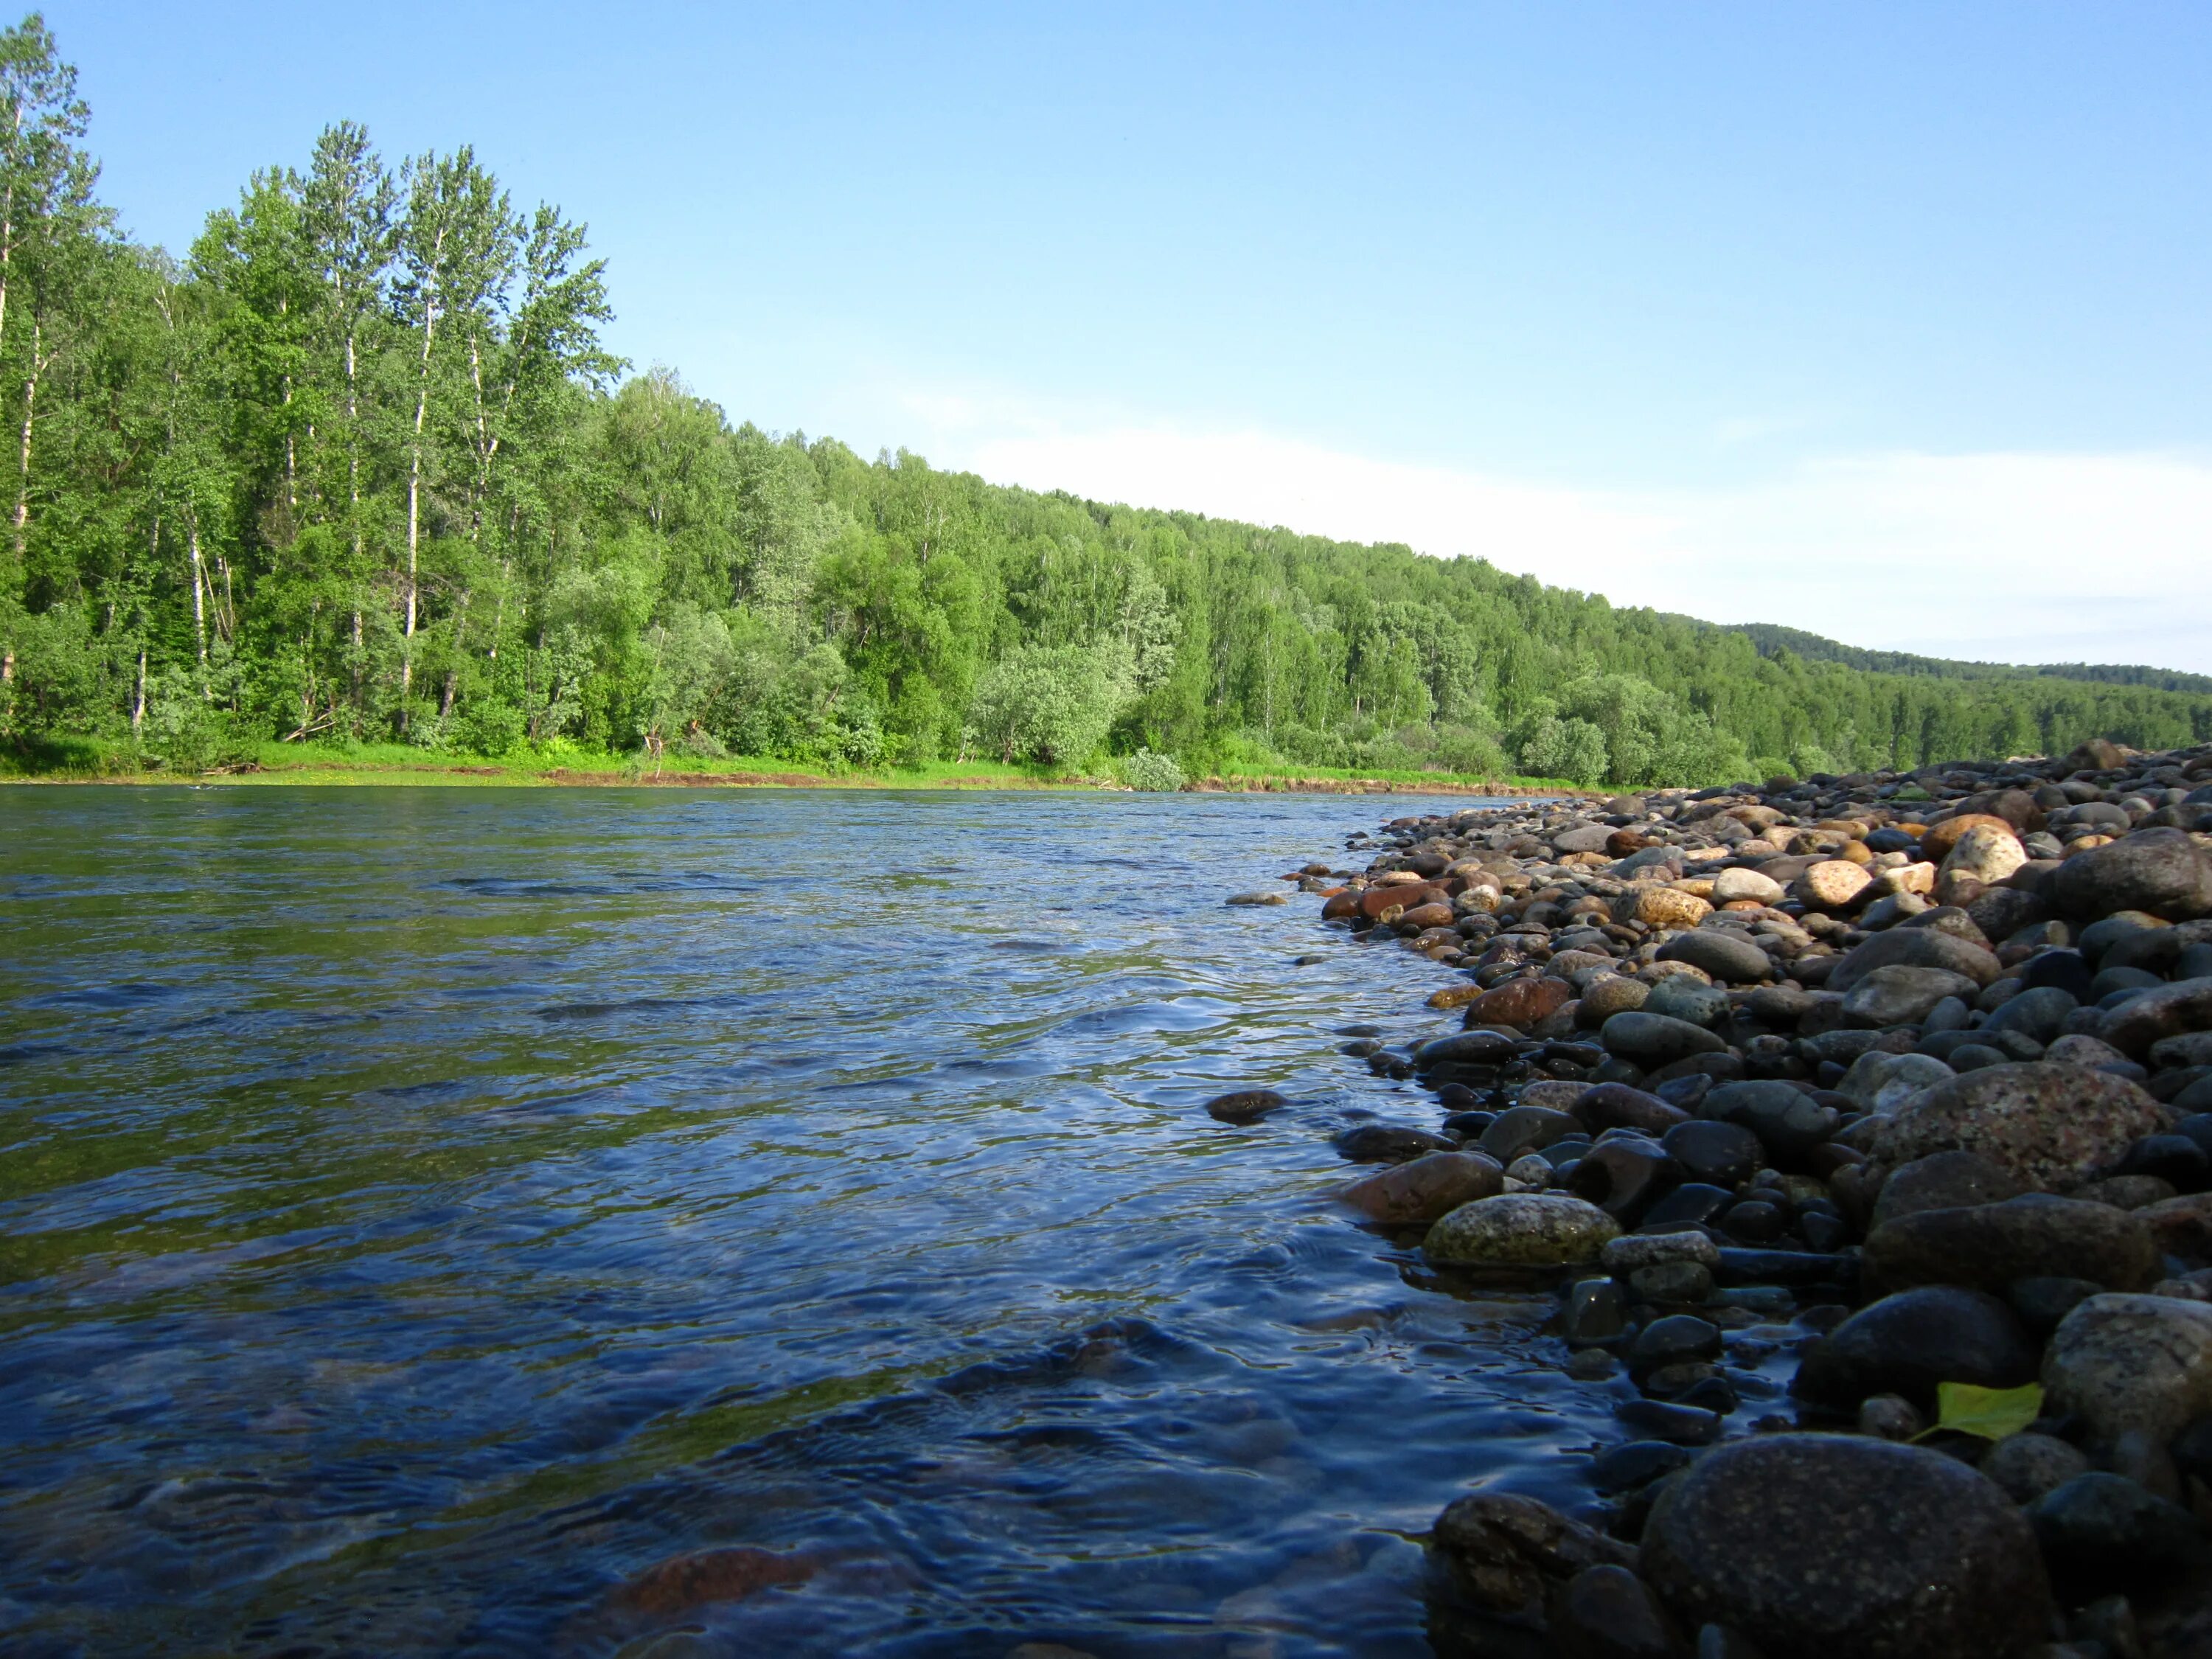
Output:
[[1885, 320]]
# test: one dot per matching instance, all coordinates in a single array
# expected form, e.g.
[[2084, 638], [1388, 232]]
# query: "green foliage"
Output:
[[1564, 748], [1049, 705], [1992, 1413], [358, 470], [1148, 771]]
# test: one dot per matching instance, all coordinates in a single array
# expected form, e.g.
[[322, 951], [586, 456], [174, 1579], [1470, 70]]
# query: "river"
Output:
[[423, 1210]]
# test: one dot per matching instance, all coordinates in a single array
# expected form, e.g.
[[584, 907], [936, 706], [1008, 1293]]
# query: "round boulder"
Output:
[[1670, 906], [1907, 1343], [2132, 1362], [1831, 885], [1654, 1040], [1902, 996], [1733, 884], [1988, 852], [2159, 872], [1848, 1547], [1989, 1246], [1521, 1230], [1915, 947], [2050, 1127], [1426, 1189], [1939, 839], [1729, 957]]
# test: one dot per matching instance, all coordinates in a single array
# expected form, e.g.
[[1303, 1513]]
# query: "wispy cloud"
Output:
[[1997, 556]]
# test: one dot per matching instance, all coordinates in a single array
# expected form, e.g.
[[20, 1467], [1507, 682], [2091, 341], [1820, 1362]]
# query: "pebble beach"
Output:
[[1897, 1085]]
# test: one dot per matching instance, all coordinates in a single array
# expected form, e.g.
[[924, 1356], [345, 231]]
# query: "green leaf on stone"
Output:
[[1992, 1413]]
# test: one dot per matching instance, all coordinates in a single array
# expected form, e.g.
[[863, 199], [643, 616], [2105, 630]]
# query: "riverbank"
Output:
[[1901, 1084], [397, 763]]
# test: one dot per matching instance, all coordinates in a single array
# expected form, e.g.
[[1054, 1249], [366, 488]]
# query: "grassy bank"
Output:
[[398, 764]]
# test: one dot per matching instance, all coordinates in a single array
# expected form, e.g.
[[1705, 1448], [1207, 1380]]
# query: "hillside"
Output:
[[358, 468], [1772, 639]]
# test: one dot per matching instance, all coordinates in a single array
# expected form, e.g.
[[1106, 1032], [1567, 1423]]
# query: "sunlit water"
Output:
[[421, 1211]]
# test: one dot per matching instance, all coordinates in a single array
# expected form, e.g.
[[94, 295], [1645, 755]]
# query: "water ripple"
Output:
[[420, 1220]]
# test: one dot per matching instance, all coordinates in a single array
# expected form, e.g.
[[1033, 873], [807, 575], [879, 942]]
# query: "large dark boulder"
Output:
[[2159, 872], [1907, 1343], [1848, 1547], [1989, 1246], [2048, 1125], [1915, 947]]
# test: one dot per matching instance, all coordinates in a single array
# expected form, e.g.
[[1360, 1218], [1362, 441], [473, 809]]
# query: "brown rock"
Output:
[[2167, 1011], [1937, 842], [1668, 907], [1425, 1189], [1520, 1002], [1615, 994], [2097, 755], [1617, 1106], [2182, 1226], [693, 1580], [1832, 883], [1245, 1105], [1397, 895]]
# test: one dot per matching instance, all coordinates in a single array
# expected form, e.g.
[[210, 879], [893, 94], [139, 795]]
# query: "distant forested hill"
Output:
[[1772, 638], [357, 466]]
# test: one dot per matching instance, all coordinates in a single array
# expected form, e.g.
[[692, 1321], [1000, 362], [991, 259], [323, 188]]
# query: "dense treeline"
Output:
[[358, 467], [1772, 638]]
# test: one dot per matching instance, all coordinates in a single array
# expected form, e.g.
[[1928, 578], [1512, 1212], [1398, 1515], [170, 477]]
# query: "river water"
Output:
[[421, 1212]]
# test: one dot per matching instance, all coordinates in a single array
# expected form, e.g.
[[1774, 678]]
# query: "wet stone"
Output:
[[1521, 1230], [1388, 1143], [1608, 1612], [1672, 1281], [1593, 1311], [1674, 1339], [1505, 1551], [1686, 1425], [1245, 1105]]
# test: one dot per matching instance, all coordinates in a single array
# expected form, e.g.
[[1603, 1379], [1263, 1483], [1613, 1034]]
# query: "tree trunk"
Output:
[[199, 606], [415, 499], [138, 703], [23, 458]]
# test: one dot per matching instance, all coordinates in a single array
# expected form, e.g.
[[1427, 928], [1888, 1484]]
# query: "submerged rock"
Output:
[[1245, 1106], [1505, 1551]]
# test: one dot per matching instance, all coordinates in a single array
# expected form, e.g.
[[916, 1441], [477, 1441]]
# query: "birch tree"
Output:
[[46, 181], [458, 246]]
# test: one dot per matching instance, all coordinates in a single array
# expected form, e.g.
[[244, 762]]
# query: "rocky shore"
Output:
[[1895, 1088]]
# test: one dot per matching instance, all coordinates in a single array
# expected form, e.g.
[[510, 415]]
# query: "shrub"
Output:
[[1147, 770]]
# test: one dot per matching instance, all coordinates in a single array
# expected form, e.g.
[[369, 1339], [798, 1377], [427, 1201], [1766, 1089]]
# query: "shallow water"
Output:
[[421, 1211]]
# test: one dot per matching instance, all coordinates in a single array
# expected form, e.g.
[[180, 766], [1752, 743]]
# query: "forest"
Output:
[[357, 467]]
